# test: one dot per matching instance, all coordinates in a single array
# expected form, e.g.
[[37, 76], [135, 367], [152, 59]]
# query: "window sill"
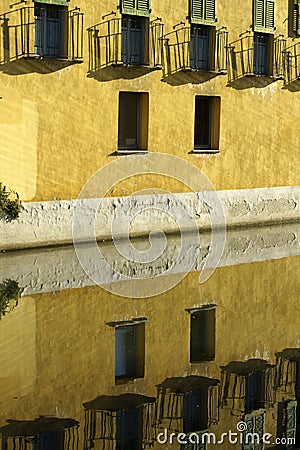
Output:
[[144, 66], [131, 152], [203, 151]]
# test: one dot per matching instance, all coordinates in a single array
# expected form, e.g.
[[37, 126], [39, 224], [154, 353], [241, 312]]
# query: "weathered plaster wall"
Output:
[[70, 126], [50, 223]]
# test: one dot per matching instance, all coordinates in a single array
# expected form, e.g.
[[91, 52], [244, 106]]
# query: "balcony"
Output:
[[40, 33], [129, 42], [258, 56], [196, 49], [291, 58]]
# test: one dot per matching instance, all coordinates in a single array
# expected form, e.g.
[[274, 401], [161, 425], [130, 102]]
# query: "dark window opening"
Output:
[[254, 395], [130, 351], [133, 121], [207, 122], [50, 30], [202, 339], [195, 413], [200, 47], [129, 429], [133, 40], [49, 441], [261, 54]]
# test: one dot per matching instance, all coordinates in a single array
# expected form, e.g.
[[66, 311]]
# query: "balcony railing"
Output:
[[195, 48], [26, 33], [291, 58], [115, 43], [248, 56]]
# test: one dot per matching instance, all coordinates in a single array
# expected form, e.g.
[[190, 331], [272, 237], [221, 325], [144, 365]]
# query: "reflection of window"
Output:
[[51, 24], [195, 414], [207, 122], [254, 395], [49, 441], [202, 338], [133, 121], [129, 429], [133, 39], [129, 351]]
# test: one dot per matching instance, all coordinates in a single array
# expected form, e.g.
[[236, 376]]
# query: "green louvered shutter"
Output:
[[255, 424], [54, 2], [203, 11], [298, 18], [198, 441], [264, 16], [291, 423], [135, 7]]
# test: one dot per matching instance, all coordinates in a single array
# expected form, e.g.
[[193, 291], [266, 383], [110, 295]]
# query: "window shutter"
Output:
[[202, 11], [264, 12], [291, 422], [210, 13], [54, 2], [270, 9], [135, 7], [298, 18]]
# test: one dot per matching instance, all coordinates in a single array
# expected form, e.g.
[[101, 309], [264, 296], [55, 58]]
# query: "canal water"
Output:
[[113, 366]]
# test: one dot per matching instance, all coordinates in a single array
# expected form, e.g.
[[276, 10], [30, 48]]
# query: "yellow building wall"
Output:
[[58, 127]]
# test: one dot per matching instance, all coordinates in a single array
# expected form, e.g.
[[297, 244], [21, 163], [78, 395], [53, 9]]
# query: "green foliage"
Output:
[[9, 290], [9, 209]]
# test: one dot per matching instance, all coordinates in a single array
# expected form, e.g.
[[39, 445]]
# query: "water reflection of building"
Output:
[[124, 422], [43, 433]]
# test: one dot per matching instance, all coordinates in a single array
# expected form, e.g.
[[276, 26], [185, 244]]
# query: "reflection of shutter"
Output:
[[255, 424], [202, 12], [291, 423], [54, 2], [197, 442], [298, 18], [264, 12], [135, 7]]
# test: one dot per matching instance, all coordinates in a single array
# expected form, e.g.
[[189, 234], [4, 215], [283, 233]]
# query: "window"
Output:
[[50, 30], [129, 429], [262, 55], [297, 21], [263, 16], [207, 123], [195, 412], [129, 351], [133, 121], [201, 47], [49, 440], [202, 11], [202, 337], [135, 7], [134, 40], [254, 395]]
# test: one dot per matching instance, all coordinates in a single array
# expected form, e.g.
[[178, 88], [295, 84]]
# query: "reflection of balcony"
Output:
[[188, 404], [247, 386], [196, 48], [120, 422], [291, 56], [288, 373], [40, 434], [256, 55], [40, 32], [125, 42]]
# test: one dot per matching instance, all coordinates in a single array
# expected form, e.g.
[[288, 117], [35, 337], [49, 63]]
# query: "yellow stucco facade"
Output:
[[59, 120]]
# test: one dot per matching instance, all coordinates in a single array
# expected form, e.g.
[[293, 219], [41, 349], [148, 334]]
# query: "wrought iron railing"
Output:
[[24, 34], [113, 43], [186, 49], [291, 58], [247, 56]]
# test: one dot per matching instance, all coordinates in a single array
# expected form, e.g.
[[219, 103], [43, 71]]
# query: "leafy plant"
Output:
[[9, 208], [9, 290]]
